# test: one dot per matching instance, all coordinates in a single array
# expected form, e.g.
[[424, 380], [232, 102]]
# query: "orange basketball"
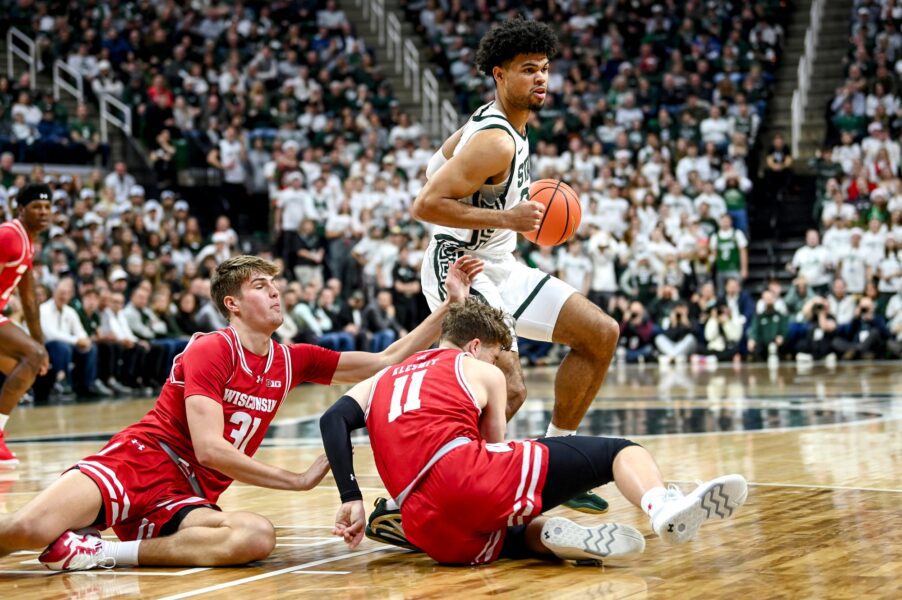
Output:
[[562, 212]]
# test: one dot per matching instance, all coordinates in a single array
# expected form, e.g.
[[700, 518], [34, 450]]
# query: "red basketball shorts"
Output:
[[460, 511], [142, 488]]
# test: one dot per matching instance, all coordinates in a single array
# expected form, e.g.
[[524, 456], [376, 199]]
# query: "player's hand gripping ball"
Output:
[[562, 212]]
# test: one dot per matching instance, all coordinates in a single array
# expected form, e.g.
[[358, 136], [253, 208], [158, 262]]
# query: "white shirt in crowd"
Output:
[[835, 211], [812, 264], [116, 325], [604, 251], [296, 205], [120, 185], [843, 310], [575, 269], [230, 158], [61, 325], [853, 269]]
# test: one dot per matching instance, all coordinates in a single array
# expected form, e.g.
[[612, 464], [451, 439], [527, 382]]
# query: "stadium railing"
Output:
[[108, 117], [28, 55], [806, 63], [440, 117], [76, 89]]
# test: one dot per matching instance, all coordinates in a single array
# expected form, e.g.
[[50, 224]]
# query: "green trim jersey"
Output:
[[502, 196]]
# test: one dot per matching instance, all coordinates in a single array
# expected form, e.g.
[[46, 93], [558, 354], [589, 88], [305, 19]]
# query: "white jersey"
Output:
[[503, 196]]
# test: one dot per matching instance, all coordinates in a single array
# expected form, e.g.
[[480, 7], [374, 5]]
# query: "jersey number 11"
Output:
[[412, 398]]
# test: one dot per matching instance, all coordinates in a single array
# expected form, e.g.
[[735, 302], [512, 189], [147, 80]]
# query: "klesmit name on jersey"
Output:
[[248, 401], [414, 367]]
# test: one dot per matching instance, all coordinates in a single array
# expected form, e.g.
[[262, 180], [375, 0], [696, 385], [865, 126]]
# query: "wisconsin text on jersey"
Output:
[[248, 401]]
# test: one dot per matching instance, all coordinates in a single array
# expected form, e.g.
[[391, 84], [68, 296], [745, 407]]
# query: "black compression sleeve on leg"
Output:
[[578, 463], [336, 426]]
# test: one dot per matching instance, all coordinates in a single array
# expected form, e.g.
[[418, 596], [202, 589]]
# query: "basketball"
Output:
[[562, 212]]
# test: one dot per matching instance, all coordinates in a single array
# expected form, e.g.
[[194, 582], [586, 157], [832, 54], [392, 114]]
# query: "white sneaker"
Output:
[[663, 360], [830, 360], [804, 357], [76, 551], [678, 517], [570, 541]]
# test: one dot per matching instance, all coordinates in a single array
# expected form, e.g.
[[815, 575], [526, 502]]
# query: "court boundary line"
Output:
[[276, 573], [812, 486]]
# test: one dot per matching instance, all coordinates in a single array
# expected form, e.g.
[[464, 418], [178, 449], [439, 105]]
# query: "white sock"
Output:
[[3, 420], [391, 504], [652, 499], [557, 432], [125, 553]]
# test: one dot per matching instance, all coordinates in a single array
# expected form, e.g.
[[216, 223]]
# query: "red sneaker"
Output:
[[76, 552], [8, 458]]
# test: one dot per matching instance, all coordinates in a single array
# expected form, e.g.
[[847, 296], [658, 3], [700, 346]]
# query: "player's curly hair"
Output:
[[475, 319], [512, 37], [229, 276]]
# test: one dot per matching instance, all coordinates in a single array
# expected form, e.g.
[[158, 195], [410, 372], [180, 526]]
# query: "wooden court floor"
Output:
[[821, 448]]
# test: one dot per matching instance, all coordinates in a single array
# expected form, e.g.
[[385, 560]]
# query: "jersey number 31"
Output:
[[412, 397]]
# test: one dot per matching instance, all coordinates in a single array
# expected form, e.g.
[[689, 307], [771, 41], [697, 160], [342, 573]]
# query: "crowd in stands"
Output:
[[289, 106]]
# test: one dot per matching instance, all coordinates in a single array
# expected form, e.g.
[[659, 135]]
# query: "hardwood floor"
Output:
[[822, 449]]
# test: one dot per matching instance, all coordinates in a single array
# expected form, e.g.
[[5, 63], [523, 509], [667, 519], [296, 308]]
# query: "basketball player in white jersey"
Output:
[[477, 194]]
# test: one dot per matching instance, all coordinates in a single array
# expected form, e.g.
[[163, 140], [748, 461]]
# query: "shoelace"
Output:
[[673, 492]]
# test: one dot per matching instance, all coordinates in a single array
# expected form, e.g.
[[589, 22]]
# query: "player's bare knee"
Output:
[[35, 356], [599, 337], [255, 538]]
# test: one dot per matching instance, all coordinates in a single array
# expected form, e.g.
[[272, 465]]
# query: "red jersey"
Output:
[[16, 253], [251, 389], [419, 411]]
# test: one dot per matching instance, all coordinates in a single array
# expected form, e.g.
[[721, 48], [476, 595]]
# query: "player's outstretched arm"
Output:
[[336, 425], [487, 155], [357, 366], [206, 423]]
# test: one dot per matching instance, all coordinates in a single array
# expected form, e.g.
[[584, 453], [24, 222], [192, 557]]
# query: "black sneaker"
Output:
[[588, 503], [384, 526]]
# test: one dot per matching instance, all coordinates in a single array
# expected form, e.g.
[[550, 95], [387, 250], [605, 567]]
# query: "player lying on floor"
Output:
[[436, 423], [156, 482]]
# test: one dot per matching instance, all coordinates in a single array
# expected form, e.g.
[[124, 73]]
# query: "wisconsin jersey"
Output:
[[419, 411], [16, 253], [503, 196], [251, 389]]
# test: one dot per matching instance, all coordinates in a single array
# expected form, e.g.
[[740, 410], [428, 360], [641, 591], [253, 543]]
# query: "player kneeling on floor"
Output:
[[437, 422]]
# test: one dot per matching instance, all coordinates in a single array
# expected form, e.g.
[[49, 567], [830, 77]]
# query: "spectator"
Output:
[[636, 333], [722, 335], [379, 319], [867, 334], [120, 182], [676, 342], [574, 267], [769, 330], [109, 351], [841, 305], [731, 255], [229, 157], [135, 370], [306, 253], [811, 261], [778, 171], [68, 342]]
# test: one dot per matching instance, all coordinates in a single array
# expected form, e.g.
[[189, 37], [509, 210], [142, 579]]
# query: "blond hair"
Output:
[[475, 319], [231, 274]]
